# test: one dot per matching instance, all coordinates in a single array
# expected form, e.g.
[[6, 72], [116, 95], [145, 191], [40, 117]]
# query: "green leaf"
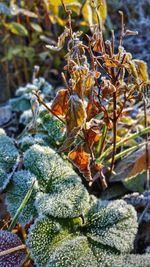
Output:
[[112, 224], [20, 198], [36, 27], [135, 183], [17, 28], [67, 201], [44, 237], [75, 252]]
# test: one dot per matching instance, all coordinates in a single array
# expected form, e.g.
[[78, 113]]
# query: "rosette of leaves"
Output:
[[24, 94], [104, 239], [19, 186], [8, 158], [61, 192], [8, 241]]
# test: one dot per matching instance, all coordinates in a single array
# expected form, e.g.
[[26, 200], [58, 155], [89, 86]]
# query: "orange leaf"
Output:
[[140, 165], [107, 88], [81, 160], [76, 114], [91, 110], [60, 103]]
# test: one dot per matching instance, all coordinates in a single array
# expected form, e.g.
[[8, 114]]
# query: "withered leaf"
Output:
[[131, 170], [69, 140], [141, 69], [81, 160], [61, 41], [76, 114], [107, 88], [60, 103], [110, 62], [92, 110]]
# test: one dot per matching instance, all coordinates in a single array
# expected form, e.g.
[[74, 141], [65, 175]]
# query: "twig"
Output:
[[11, 250], [122, 27], [146, 146]]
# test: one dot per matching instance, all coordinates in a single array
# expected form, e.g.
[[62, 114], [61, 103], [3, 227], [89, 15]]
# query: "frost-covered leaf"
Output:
[[55, 128], [112, 224], [4, 10], [20, 104], [4, 179], [75, 252], [70, 200], [64, 196], [8, 152], [47, 165], [7, 241], [44, 237], [19, 186], [130, 260], [8, 158]]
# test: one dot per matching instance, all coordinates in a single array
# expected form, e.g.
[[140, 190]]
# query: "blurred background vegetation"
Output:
[[27, 26]]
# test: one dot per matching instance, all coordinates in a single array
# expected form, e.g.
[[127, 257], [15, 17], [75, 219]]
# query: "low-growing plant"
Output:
[[70, 226]]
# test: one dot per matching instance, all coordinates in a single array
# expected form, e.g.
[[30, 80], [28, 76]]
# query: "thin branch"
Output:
[[11, 250]]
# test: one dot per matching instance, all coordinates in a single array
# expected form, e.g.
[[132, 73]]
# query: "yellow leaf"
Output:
[[141, 69], [58, 2]]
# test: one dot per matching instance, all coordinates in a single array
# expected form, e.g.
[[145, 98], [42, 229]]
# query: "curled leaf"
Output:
[[60, 103], [81, 160], [61, 41]]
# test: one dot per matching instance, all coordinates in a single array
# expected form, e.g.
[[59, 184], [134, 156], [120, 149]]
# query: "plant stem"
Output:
[[11, 250], [146, 147], [114, 132], [108, 150]]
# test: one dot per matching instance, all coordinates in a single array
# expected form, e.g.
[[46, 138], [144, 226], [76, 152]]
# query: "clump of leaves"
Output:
[[101, 82], [57, 191], [104, 239]]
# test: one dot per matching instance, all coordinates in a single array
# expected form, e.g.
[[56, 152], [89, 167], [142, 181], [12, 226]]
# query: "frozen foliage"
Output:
[[69, 201], [9, 240], [55, 128], [75, 252], [64, 195], [47, 165], [113, 224], [44, 237], [20, 184], [8, 158], [24, 94], [108, 231], [8, 152]]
